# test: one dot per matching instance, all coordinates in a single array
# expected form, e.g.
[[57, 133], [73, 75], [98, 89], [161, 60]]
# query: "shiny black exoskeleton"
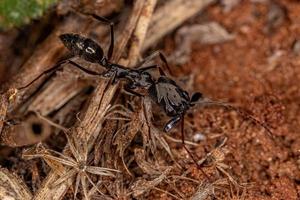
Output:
[[83, 47], [164, 91], [91, 51], [173, 99]]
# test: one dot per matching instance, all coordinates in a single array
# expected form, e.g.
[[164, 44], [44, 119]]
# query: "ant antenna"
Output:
[[150, 57], [209, 102], [105, 21], [56, 67], [111, 24]]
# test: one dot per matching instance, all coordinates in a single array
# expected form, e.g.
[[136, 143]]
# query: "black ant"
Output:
[[164, 91]]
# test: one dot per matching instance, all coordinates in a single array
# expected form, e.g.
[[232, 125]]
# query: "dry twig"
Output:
[[12, 187], [78, 167], [88, 130]]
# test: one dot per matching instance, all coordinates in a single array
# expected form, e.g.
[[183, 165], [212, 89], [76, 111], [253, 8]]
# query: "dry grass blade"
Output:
[[203, 192], [79, 166], [168, 193], [12, 187], [216, 157], [65, 177], [141, 186], [79, 152], [152, 131], [187, 142], [125, 135], [5, 100], [95, 186], [102, 171], [65, 160], [147, 167], [84, 187], [92, 122], [37, 152], [76, 185], [119, 112]]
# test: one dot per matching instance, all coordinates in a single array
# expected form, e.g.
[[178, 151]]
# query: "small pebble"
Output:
[[199, 137], [296, 47]]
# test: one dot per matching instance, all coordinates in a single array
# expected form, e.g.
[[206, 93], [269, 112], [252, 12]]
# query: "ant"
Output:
[[164, 91]]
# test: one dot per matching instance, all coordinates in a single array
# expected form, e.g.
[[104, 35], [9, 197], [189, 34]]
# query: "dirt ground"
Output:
[[258, 71]]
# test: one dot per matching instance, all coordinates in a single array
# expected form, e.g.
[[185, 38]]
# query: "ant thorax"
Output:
[[173, 99], [139, 79]]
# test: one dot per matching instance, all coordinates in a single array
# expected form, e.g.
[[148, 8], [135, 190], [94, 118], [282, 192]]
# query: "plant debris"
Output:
[[209, 33], [71, 135]]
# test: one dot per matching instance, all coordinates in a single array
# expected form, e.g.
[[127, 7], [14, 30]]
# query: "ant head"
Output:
[[84, 47], [195, 97], [66, 38]]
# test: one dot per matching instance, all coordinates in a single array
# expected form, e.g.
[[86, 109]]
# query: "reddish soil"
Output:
[[259, 72]]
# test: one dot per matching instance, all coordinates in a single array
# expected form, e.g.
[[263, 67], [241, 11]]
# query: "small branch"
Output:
[[87, 130], [12, 187], [57, 93], [140, 31], [129, 28]]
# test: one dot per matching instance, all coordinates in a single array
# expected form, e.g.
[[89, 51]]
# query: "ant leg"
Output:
[[12, 122], [188, 151], [130, 91], [113, 79], [153, 55], [148, 68], [55, 68], [171, 123], [208, 102], [161, 72], [90, 72]]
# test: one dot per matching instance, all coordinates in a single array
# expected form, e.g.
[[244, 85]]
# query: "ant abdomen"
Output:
[[84, 47]]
